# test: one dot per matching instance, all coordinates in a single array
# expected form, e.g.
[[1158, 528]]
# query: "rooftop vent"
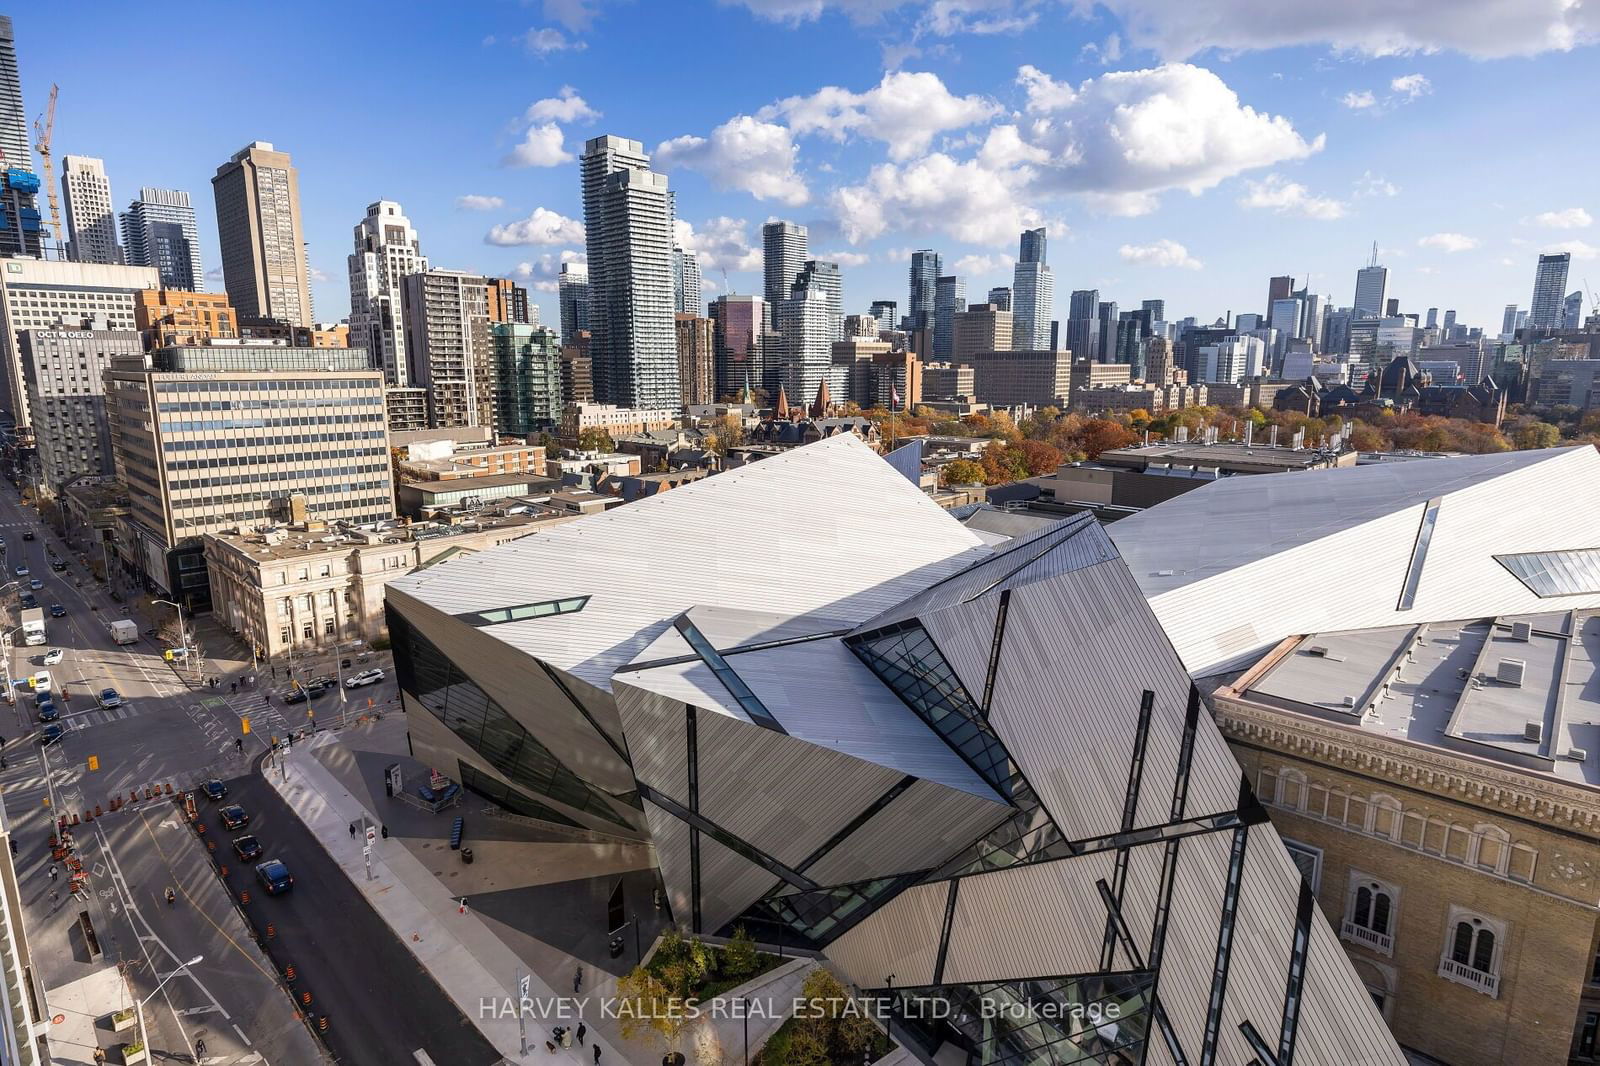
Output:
[[1317, 649], [1510, 672], [1522, 631], [1349, 701], [1164, 573], [1578, 754], [1533, 731]]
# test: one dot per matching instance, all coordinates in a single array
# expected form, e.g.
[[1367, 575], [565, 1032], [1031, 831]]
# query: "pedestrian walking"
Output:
[[566, 1038], [233, 686], [238, 745], [54, 873], [13, 846], [582, 1029], [352, 830], [577, 980], [199, 1049], [597, 1055]]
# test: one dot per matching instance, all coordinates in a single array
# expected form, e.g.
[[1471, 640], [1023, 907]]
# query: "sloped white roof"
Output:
[[1232, 568], [827, 530]]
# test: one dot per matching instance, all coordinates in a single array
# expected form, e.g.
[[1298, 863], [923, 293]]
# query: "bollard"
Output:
[[289, 974]]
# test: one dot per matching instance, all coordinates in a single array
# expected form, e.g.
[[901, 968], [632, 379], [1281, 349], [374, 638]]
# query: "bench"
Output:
[[455, 833]]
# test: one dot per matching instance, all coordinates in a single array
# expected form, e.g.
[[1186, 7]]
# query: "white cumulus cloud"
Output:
[[1162, 253], [1568, 218], [905, 111], [1370, 184], [542, 227], [1486, 29], [544, 273], [1359, 101], [544, 41], [743, 153], [542, 146], [847, 259], [565, 106], [473, 202], [966, 200], [720, 243], [1277, 193], [1448, 242], [1411, 86], [973, 265]]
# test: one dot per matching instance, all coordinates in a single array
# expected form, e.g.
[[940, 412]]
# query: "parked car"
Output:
[[53, 656], [274, 876], [247, 848], [234, 817], [57, 611], [110, 697], [365, 677], [51, 733], [214, 789]]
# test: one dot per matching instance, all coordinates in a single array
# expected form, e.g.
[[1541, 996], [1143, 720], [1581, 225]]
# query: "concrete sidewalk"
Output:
[[464, 957], [85, 1006]]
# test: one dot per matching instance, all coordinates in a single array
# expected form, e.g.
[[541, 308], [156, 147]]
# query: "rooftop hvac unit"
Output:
[[1533, 731], [1317, 649], [1578, 754], [1510, 672], [1349, 701], [1522, 631]]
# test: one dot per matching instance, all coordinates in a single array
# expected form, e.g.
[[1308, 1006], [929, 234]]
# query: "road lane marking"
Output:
[[422, 1058], [240, 1031]]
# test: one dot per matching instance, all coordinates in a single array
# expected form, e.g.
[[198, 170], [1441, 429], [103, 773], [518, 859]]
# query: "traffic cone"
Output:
[[169, 788]]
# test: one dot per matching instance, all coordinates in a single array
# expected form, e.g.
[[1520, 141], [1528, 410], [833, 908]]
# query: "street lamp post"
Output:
[[184, 633], [144, 1037]]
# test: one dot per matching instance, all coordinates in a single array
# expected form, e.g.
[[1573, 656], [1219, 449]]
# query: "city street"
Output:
[[171, 729]]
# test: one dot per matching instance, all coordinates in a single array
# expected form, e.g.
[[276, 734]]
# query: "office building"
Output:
[[572, 290], [686, 283], [235, 435], [386, 251], [167, 318], [860, 327], [930, 807], [257, 193], [628, 214], [39, 294], [947, 382], [1106, 329], [16, 147], [1288, 320], [738, 326], [1549, 291], [508, 302], [1154, 310], [1000, 297], [1432, 320], [527, 379], [696, 359], [1508, 321], [884, 312], [91, 220], [1017, 377], [1083, 324], [1372, 281], [448, 344], [1279, 288], [1159, 365], [784, 251], [1231, 360], [577, 373], [982, 328], [926, 266], [1572, 311], [950, 296], [67, 399], [158, 230], [1033, 293]]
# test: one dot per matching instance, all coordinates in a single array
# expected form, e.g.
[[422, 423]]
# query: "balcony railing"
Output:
[[1381, 942], [1462, 974]]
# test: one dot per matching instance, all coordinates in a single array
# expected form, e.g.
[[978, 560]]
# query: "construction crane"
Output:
[[42, 131]]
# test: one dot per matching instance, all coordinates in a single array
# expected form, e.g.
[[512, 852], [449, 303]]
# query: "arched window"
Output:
[[1384, 816], [1291, 789], [1473, 945], [1370, 910], [1492, 848]]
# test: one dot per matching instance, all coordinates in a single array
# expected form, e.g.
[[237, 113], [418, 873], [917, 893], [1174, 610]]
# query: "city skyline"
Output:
[[1305, 146]]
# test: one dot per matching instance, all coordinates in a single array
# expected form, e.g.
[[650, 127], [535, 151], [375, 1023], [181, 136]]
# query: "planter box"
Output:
[[132, 1053], [124, 1019]]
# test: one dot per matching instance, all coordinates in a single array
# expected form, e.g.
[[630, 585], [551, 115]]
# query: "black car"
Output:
[[274, 876], [295, 695], [57, 611], [50, 733], [27, 534], [214, 789], [233, 817], [58, 565], [28, 601], [247, 848], [47, 711]]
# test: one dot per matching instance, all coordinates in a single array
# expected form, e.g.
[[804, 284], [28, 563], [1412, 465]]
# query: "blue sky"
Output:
[[1176, 150]]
